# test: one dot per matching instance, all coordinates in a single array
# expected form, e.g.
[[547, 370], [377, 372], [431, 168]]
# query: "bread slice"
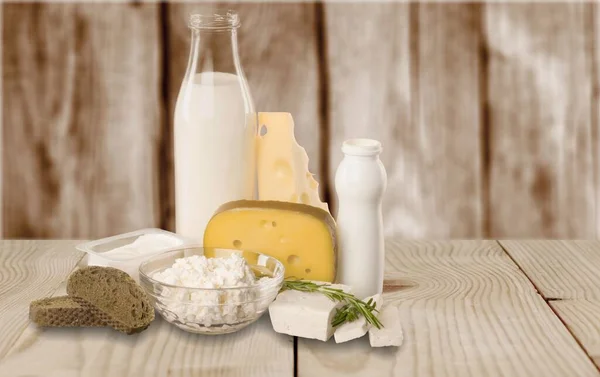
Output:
[[113, 297], [62, 311]]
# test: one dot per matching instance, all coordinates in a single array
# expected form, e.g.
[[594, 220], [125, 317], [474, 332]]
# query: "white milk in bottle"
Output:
[[214, 128]]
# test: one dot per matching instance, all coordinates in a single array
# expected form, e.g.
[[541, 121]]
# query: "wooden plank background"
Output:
[[81, 119], [466, 310], [540, 107], [488, 112], [569, 284], [162, 350]]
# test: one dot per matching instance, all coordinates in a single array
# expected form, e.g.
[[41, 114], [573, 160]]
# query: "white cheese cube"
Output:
[[304, 314], [357, 328], [391, 332]]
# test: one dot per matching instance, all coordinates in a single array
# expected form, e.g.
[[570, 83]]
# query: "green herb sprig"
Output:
[[352, 309]]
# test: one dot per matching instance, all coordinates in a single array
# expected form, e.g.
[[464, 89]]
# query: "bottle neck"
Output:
[[214, 51]]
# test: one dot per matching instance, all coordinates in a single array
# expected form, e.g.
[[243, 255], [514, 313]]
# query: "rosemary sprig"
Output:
[[352, 309]]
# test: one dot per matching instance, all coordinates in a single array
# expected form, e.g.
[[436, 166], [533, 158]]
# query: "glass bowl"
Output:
[[193, 309]]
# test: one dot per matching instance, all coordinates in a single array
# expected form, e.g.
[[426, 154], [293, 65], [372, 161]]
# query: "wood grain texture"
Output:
[[1, 132], [410, 78], [595, 134], [540, 90], [581, 317], [82, 120], [161, 350], [279, 61], [488, 113], [31, 332], [559, 269], [467, 310], [29, 270]]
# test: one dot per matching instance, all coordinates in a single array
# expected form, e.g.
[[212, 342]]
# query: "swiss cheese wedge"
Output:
[[301, 236], [282, 164]]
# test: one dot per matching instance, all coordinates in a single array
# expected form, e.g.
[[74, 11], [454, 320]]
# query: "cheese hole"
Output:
[[294, 198], [283, 169], [237, 244], [308, 270], [264, 223], [263, 130], [304, 198], [274, 224], [293, 259]]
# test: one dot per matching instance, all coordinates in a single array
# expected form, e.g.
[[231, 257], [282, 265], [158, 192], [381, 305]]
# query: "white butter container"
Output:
[[128, 250]]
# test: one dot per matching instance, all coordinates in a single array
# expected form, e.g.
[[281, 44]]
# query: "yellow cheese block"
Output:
[[282, 164], [302, 237]]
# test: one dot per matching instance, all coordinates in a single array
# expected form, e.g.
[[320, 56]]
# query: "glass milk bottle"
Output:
[[215, 125], [360, 183]]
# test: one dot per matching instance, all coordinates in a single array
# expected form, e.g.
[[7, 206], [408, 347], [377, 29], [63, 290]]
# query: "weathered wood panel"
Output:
[[29, 270], [559, 269], [581, 317], [493, 136], [278, 52], [82, 119], [410, 78], [466, 310], [540, 90]]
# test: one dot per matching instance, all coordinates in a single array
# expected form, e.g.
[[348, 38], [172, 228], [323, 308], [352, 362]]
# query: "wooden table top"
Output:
[[468, 308]]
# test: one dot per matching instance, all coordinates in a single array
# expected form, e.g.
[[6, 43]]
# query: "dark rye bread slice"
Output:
[[112, 296], [62, 311]]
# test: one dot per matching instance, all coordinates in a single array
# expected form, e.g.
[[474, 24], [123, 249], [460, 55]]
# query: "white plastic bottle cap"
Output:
[[361, 147]]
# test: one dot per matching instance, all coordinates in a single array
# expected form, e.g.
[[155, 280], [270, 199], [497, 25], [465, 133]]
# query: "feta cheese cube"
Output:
[[391, 333], [357, 328], [304, 314]]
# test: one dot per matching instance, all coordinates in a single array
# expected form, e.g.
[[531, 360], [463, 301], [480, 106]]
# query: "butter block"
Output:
[[282, 164], [359, 327], [302, 237], [305, 314], [391, 334]]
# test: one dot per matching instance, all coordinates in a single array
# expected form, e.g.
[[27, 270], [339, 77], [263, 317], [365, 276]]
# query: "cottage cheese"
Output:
[[217, 306], [198, 271]]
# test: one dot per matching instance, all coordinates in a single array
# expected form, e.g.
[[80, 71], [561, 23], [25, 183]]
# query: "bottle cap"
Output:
[[361, 147]]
